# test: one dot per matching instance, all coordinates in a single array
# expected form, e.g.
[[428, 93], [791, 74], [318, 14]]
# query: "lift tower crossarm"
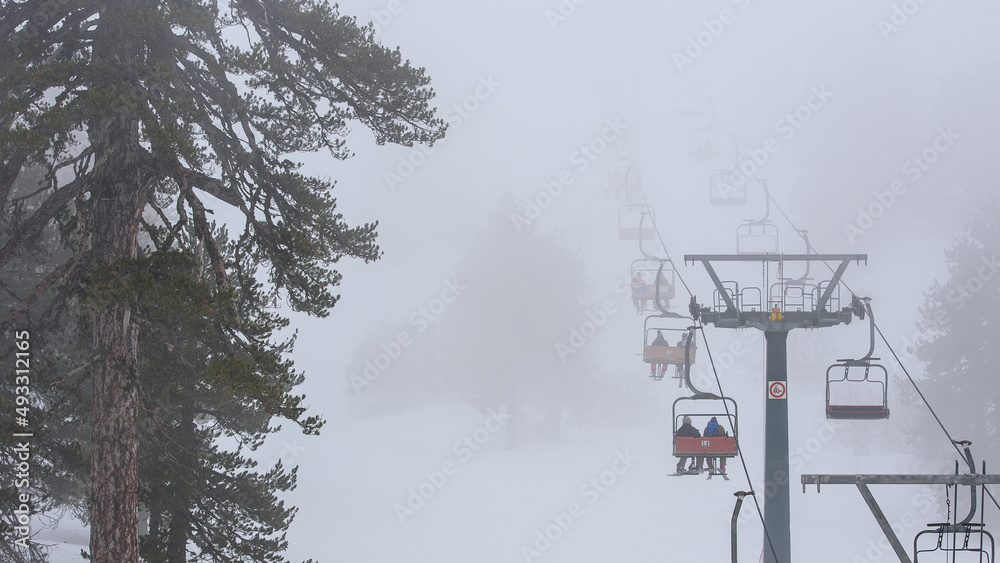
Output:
[[928, 479], [862, 482], [775, 257], [734, 317], [730, 306], [825, 298]]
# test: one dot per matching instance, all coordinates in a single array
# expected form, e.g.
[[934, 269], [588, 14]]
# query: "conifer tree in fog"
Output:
[[960, 333], [141, 109], [511, 338]]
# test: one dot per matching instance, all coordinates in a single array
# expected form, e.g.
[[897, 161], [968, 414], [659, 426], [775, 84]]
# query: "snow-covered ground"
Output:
[[410, 488]]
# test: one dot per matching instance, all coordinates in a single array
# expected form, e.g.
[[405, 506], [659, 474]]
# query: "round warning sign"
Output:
[[776, 390]]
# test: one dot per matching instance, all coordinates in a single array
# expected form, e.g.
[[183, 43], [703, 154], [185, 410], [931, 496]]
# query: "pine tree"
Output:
[[122, 99], [208, 504]]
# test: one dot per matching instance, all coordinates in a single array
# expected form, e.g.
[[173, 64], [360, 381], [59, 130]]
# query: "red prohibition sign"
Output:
[[776, 390]]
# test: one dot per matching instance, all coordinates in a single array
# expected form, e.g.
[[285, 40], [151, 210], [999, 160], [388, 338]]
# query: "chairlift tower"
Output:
[[739, 309]]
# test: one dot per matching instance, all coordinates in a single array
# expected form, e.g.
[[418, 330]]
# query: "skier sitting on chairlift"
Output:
[[684, 340], [640, 293], [688, 431], [713, 428], [658, 341]]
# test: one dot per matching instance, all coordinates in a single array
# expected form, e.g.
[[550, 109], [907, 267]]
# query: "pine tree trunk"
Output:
[[119, 196], [114, 522], [180, 513]]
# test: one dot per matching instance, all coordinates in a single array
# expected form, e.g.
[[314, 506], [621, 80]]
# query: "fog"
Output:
[[874, 127]]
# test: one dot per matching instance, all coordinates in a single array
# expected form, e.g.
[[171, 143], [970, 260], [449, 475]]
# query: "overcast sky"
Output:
[[874, 124], [873, 127]]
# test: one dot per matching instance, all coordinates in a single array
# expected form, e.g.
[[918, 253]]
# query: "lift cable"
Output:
[[704, 337], [954, 442], [884, 339], [659, 237]]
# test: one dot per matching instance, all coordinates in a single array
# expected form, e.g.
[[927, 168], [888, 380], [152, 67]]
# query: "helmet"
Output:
[[686, 420]]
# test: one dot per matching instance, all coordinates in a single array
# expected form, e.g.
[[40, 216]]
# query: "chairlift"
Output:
[[665, 344], [728, 187], [951, 539], [833, 304], [965, 537], [792, 295], [758, 236], [651, 280], [857, 389], [623, 180], [795, 294], [636, 222], [705, 145], [703, 407]]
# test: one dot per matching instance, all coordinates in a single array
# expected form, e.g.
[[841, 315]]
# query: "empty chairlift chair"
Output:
[[636, 222], [858, 389], [760, 236], [727, 188], [954, 542]]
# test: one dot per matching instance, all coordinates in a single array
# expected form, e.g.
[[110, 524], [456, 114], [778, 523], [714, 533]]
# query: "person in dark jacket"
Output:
[[658, 341], [688, 431]]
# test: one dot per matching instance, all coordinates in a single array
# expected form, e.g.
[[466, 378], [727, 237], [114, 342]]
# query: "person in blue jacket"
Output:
[[713, 429]]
